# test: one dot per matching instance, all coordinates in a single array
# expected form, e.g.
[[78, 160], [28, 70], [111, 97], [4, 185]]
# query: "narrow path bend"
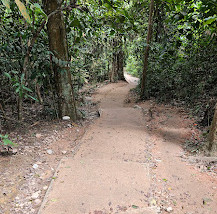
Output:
[[109, 173], [130, 163]]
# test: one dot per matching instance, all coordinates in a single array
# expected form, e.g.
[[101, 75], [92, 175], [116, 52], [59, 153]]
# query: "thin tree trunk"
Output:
[[20, 107], [121, 64], [117, 69], [37, 89], [145, 67], [212, 137], [58, 46], [113, 73]]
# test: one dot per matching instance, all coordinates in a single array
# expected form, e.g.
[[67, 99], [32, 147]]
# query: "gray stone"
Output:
[[49, 151], [66, 118]]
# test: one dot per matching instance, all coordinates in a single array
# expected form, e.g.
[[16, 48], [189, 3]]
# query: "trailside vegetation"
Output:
[[50, 49]]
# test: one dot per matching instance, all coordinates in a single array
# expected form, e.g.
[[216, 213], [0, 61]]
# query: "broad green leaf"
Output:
[[210, 20], [38, 6], [27, 89], [75, 23], [7, 75], [6, 3], [135, 207], [17, 89], [32, 98], [23, 10], [22, 78], [8, 142]]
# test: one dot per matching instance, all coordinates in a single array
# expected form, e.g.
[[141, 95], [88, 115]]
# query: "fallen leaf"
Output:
[[135, 207]]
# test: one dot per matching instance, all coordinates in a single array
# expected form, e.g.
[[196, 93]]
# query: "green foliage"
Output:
[[134, 51], [182, 59], [185, 79], [4, 141]]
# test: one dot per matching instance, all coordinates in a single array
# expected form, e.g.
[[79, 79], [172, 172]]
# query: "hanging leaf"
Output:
[[38, 7], [6, 3], [210, 20], [23, 10]]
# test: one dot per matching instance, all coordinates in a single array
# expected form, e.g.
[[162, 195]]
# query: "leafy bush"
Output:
[[4, 141], [186, 79]]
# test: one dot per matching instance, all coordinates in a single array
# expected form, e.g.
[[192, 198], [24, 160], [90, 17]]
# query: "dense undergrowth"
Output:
[[189, 80]]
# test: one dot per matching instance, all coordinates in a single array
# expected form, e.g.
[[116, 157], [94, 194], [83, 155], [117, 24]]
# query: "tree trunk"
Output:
[[58, 46], [212, 137], [120, 62], [145, 67], [117, 69]]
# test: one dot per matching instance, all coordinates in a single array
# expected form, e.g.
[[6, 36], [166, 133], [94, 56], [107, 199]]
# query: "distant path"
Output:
[[131, 80]]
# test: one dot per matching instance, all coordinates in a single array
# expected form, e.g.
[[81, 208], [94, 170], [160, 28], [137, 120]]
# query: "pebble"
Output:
[[14, 151], [45, 187], [35, 195], [88, 99], [169, 209], [64, 152], [66, 118], [38, 135], [136, 106], [49, 151], [35, 166], [37, 201], [32, 210]]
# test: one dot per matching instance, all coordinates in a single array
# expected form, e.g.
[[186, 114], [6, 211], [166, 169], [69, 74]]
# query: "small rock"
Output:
[[35, 195], [88, 99], [158, 210], [64, 152], [169, 209], [45, 187], [37, 201], [206, 200], [49, 151], [153, 202], [136, 106], [35, 166], [66, 118], [14, 151], [38, 135]]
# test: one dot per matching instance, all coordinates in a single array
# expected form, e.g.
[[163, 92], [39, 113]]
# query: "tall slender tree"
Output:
[[212, 137], [117, 69], [148, 41], [59, 47]]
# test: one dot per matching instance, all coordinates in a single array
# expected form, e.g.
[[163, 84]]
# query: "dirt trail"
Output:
[[129, 162]]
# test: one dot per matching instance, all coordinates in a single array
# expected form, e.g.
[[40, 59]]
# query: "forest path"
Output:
[[130, 161], [110, 172]]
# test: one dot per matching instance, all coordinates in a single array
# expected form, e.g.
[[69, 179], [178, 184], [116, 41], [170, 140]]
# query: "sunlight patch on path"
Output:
[[130, 79]]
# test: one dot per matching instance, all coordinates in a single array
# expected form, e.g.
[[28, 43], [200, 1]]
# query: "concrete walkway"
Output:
[[109, 173]]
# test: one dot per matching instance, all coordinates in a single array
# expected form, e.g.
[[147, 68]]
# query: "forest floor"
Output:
[[130, 160]]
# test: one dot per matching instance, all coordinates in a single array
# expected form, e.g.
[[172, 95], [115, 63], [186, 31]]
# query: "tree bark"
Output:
[[59, 47], [148, 41], [117, 69], [120, 62], [212, 137]]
